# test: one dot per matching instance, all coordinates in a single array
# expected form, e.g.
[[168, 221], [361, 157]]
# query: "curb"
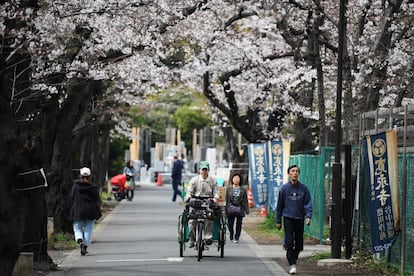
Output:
[[273, 266]]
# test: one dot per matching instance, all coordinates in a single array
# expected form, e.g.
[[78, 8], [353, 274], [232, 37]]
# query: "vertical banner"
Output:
[[382, 179], [258, 172], [276, 156]]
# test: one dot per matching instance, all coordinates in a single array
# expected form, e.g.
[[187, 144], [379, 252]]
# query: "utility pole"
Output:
[[337, 167]]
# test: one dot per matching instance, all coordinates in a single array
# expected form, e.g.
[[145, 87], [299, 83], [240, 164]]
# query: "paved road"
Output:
[[140, 238]]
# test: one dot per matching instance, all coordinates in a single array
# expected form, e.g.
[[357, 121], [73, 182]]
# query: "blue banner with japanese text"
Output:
[[381, 172], [274, 151], [258, 172]]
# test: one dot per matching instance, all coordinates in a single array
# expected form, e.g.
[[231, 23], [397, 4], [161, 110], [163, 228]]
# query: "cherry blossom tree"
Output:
[[267, 67]]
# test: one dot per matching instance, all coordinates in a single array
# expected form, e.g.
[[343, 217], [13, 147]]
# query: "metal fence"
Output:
[[316, 173], [401, 120], [311, 175], [362, 227]]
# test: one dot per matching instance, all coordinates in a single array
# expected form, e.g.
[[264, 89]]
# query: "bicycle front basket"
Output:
[[196, 203]]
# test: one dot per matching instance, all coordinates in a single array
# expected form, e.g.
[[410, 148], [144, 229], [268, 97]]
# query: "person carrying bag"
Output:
[[236, 206]]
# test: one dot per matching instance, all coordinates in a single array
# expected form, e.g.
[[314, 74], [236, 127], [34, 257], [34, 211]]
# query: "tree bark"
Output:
[[374, 80], [79, 96], [323, 136], [232, 145], [11, 222], [350, 118], [22, 227]]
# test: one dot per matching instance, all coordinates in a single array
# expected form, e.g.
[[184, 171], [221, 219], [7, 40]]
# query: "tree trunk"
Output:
[[247, 125], [374, 80], [59, 202], [12, 211], [323, 136], [351, 120], [23, 227], [232, 145], [94, 149]]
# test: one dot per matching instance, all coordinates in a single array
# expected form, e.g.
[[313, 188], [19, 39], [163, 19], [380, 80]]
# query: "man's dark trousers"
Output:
[[293, 238], [175, 183]]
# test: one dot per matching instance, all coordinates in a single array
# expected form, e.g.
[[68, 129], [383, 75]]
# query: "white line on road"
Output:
[[142, 260]]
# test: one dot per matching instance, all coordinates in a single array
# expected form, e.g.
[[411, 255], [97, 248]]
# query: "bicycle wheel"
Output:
[[222, 236], [200, 245], [182, 249], [181, 235], [118, 197], [130, 194]]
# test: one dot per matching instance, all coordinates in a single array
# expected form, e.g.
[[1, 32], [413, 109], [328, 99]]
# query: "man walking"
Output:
[[176, 177], [294, 204]]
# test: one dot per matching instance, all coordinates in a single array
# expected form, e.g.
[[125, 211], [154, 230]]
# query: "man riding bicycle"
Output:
[[204, 186]]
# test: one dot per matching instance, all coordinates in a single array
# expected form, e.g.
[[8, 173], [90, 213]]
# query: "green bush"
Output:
[[318, 256], [62, 241]]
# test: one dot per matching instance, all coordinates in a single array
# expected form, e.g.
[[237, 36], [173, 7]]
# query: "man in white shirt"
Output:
[[202, 185]]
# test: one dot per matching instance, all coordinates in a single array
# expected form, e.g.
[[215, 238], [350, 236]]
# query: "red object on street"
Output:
[[118, 180], [159, 180], [263, 211]]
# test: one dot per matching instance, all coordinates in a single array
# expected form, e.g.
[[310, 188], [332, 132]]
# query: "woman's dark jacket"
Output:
[[239, 201], [85, 201]]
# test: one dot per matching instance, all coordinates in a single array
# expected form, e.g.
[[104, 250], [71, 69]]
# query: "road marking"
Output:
[[142, 260]]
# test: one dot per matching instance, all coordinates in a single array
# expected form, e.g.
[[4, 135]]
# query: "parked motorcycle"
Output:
[[121, 188]]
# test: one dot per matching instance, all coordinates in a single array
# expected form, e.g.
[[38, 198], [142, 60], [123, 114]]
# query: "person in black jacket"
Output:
[[85, 209], [176, 175], [237, 196]]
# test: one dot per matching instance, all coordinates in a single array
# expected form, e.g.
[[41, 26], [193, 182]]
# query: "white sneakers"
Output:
[[292, 269]]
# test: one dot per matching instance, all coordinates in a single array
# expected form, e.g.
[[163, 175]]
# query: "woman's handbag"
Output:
[[233, 210]]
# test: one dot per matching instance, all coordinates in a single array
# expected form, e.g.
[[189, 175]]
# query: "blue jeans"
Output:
[[293, 238], [230, 222], [83, 230], [175, 183]]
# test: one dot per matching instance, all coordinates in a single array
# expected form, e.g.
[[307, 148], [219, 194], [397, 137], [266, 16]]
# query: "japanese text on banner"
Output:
[[258, 173], [382, 178]]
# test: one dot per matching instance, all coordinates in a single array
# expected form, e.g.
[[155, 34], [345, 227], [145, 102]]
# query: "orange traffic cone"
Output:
[[159, 180], [263, 211], [250, 198]]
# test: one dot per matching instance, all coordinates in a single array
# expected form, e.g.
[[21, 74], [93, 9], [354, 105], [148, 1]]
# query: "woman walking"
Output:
[[236, 205], [130, 172], [85, 209]]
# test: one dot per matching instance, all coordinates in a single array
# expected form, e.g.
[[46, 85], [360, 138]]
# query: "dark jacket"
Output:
[[239, 201], [177, 169], [85, 201]]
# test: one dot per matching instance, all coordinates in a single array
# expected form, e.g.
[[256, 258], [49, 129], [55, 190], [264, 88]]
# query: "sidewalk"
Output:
[[276, 250], [267, 253]]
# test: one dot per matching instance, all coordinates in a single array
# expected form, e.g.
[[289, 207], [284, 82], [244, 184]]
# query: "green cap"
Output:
[[204, 165]]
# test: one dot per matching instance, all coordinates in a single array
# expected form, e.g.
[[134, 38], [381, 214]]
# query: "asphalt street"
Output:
[[140, 238]]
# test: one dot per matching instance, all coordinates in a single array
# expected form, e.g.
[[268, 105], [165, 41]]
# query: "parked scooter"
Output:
[[121, 188]]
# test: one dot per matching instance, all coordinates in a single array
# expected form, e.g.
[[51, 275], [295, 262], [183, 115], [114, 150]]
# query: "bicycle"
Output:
[[201, 209]]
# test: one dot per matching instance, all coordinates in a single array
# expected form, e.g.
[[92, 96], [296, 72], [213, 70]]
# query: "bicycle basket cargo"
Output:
[[196, 203]]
